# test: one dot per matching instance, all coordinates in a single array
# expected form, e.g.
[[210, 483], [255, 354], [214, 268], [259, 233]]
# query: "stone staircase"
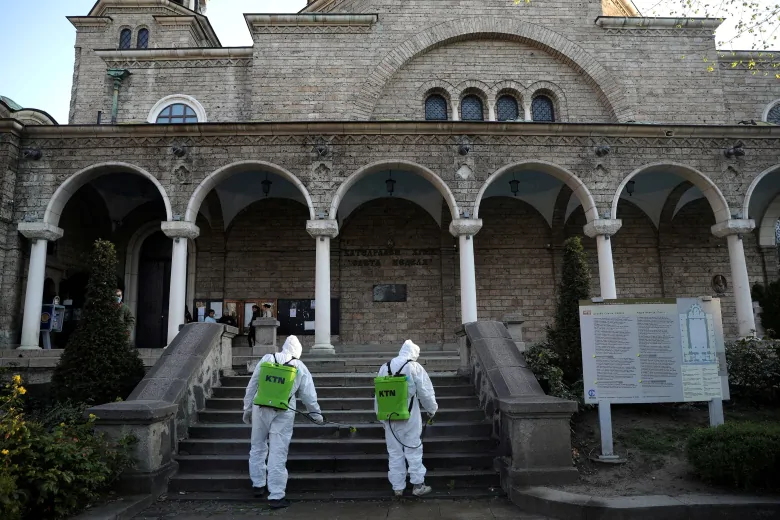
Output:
[[332, 461]]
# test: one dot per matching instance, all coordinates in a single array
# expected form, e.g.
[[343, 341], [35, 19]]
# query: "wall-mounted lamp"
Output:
[[266, 185], [602, 150], [630, 186], [514, 185], [735, 151], [390, 183], [32, 153]]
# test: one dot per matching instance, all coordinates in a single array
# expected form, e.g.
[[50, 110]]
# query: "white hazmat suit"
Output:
[[408, 432], [275, 427]]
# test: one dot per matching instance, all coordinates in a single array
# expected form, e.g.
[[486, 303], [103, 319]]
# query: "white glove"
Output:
[[317, 418], [247, 417]]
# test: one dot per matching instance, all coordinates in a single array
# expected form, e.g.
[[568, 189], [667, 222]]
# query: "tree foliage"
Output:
[[98, 364], [563, 337]]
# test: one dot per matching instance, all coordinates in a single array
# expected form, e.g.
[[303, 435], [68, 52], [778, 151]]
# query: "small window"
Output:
[[542, 109], [773, 116], [125, 39], [507, 109], [436, 108], [471, 109], [143, 39], [177, 113]]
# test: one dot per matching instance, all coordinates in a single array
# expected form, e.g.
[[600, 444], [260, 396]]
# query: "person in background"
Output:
[[251, 334], [210, 318], [127, 314], [187, 315]]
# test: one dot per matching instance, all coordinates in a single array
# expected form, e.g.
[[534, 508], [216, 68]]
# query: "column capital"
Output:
[[180, 229], [602, 226], [465, 227], [40, 231], [323, 228], [733, 227]]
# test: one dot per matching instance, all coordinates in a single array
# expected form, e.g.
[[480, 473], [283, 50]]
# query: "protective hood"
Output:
[[292, 348], [409, 351]]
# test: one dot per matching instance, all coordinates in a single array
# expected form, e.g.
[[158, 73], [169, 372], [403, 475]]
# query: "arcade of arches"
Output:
[[247, 243]]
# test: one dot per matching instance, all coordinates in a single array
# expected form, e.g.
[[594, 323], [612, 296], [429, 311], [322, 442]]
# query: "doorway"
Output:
[[154, 278]]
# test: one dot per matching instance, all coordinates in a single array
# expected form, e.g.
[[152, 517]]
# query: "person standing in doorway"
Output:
[[403, 438], [251, 334], [210, 318], [127, 314]]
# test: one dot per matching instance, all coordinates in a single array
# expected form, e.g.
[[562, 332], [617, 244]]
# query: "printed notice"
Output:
[[646, 351]]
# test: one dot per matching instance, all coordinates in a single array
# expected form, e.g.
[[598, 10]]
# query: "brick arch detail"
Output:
[[610, 90]]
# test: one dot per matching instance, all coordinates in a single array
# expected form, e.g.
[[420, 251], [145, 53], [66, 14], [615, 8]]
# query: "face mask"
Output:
[[119, 299]]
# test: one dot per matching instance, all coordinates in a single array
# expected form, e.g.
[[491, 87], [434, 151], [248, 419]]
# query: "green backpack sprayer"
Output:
[[392, 400]]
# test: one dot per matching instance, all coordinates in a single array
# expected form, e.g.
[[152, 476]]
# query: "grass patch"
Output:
[[664, 441]]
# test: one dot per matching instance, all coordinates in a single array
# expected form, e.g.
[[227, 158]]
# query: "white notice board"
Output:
[[653, 351]]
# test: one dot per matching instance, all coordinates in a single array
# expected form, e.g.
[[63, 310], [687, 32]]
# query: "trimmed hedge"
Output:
[[742, 455]]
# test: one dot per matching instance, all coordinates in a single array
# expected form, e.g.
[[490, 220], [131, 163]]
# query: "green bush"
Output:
[[48, 474], [754, 369], [543, 362], [769, 299], [563, 337], [740, 455], [98, 364]]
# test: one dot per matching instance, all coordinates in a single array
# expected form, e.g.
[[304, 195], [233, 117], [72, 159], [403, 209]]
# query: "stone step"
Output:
[[372, 365], [344, 417], [299, 482], [354, 379], [324, 392], [386, 354], [306, 430], [340, 495], [347, 403], [332, 464], [338, 446]]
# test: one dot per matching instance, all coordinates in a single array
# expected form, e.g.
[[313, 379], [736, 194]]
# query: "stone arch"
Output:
[[718, 203], [568, 178], [609, 88], [442, 88], [73, 183], [556, 95], [211, 182], [752, 188], [408, 166]]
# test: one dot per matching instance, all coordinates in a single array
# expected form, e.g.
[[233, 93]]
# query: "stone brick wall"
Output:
[[514, 266], [368, 259], [747, 95]]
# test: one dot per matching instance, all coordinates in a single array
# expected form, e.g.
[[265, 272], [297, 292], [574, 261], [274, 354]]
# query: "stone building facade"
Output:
[[448, 146]]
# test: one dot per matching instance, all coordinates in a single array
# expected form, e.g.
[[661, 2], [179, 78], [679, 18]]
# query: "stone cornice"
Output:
[[601, 226], [465, 227], [40, 230], [255, 21], [194, 53], [322, 228], [731, 56], [642, 23], [180, 229], [11, 126], [81, 22], [733, 227], [452, 128]]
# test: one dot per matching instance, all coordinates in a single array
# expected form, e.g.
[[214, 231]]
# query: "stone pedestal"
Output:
[[514, 324], [265, 333]]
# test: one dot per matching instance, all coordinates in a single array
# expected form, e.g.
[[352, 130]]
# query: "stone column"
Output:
[[39, 234], [602, 230], [491, 111], [465, 229], [180, 232], [322, 231], [733, 230]]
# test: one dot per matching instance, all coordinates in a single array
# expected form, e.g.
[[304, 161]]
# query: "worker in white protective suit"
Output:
[[274, 427], [403, 438]]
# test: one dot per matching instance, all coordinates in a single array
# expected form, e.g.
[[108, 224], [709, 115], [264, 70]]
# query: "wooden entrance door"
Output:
[[154, 280]]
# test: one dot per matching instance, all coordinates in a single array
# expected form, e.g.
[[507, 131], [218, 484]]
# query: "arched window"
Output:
[[177, 113], [143, 39], [506, 108], [542, 109], [773, 116], [435, 108], [471, 108], [125, 39]]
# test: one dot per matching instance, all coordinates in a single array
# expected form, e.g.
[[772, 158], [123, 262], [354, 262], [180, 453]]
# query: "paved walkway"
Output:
[[488, 509]]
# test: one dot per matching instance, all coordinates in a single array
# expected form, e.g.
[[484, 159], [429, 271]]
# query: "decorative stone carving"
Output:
[[180, 229], [322, 228], [465, 173], [182, 175], [40, 231], [733, 227], [465, 227], [602, 226]]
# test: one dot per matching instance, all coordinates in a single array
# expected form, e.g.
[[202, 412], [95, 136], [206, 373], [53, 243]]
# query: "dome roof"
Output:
[[13, 105]]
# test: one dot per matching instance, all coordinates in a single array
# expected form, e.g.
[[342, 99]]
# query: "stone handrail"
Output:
[[166, 401], [533, 429]]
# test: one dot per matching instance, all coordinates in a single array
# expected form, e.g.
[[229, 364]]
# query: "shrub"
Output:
[[769, 299], [52, 474], [741, 455], [98, 364], [754, 369], [563, 337], [543, 362]]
